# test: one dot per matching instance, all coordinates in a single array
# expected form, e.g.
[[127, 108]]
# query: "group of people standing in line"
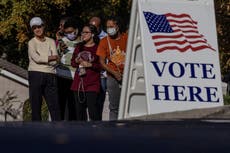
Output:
[[74, 72]]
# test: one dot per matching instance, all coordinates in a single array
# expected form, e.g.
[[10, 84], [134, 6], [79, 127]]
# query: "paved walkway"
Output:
[[105, 115], [222, 112], [187, 136]]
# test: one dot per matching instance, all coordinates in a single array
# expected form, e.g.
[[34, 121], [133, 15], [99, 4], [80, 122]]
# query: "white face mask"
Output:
[[71, 36], [111, 31]]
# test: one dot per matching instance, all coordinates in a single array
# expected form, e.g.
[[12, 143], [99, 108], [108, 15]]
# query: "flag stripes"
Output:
[[175, 32]]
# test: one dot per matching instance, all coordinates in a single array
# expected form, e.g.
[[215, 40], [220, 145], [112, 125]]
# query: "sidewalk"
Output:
[[105, 115]]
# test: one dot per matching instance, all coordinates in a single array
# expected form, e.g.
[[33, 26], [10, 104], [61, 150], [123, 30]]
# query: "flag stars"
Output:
[[157, 23]]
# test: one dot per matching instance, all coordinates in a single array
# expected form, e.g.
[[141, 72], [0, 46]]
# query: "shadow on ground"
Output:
[[187, 136]]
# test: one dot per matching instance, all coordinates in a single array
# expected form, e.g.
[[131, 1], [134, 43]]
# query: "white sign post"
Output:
[[172, 56]]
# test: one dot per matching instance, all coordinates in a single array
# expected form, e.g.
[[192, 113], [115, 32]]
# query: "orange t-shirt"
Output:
[[116, 57]]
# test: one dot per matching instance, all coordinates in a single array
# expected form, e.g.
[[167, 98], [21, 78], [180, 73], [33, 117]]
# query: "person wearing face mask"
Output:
[[86, 84], [111, 52], [60, 31], [65, 72], [96, 21]]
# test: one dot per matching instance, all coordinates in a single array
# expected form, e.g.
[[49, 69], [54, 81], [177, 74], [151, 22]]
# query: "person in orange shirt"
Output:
[[112, 48]]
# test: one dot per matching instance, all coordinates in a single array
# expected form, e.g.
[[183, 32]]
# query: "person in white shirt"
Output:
[[43, 56]]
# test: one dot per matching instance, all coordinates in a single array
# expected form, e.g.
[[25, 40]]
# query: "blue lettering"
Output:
[[194, 93], [180, 69], [207, 68], [192, 69], [165, 92], [177, 93], [155, 65], [211, 91], [185, 93]]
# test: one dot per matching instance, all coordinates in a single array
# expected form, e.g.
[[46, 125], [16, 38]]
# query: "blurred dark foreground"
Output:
[[185, 136]]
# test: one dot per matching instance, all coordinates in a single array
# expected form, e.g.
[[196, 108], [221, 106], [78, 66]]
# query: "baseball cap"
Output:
[[35, 21]]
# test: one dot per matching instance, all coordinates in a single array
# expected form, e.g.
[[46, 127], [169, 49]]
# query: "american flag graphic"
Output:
[[175, 32]]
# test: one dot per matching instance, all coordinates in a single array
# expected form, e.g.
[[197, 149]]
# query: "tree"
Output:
[[15, 30], [223, 24], [16, 14], [7, 103]]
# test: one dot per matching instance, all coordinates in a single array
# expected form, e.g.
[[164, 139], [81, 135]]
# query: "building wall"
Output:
[[21, 91]]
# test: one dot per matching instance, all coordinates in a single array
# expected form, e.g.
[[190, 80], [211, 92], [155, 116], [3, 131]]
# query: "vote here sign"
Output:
[[180, 54]]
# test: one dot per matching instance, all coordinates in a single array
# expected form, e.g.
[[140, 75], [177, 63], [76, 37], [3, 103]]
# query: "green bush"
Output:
[[226, 99], [27, 111]]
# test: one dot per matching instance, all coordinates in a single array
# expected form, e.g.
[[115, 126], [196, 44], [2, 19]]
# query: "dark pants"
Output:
[[86, 100], [101, 97], [66, 99], [43, 84], [114, 91]]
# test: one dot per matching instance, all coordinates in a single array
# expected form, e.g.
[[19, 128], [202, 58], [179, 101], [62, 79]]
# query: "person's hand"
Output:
[[63, 47], [78, 60], [117, 75], [57, 58], [59, 34], [86, 64], [53, 58]]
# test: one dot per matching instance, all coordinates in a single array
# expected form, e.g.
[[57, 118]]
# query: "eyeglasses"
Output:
[[85, 32], [35, 27]]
